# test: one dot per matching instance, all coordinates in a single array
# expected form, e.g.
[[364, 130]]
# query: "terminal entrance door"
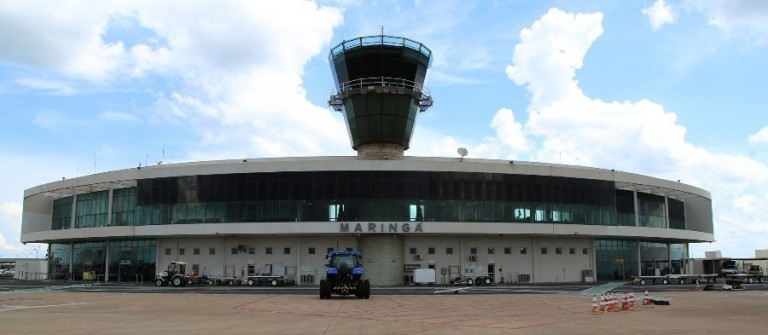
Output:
[[491, 270], [618, 269]]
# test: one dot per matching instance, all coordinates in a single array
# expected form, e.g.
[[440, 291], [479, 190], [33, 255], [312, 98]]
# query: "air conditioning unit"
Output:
[[472, 258], [417, 257]]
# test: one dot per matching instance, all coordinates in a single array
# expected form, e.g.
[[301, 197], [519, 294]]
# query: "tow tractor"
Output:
[[174, 275], [344, 276]]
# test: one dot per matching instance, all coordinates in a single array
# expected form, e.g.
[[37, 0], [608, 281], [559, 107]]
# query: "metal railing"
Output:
[[381, 40], [380, 85]]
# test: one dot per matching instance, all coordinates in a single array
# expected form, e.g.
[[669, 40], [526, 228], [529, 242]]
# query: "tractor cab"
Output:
[[175, 275], [177, 267], [345, 262]]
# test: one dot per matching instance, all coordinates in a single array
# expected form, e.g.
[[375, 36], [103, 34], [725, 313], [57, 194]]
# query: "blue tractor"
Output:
[[344, 276]]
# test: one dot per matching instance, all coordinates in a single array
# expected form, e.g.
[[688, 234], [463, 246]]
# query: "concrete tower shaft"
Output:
[[380, 90]]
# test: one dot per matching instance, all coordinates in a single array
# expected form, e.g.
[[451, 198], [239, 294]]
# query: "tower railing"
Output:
[[380, 85], [380, 40]]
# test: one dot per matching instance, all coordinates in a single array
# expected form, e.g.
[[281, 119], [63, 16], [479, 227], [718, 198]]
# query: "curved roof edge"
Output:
[[128, 177]]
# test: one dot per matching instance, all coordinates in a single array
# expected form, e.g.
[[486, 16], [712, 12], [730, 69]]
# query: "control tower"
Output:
[[380, 89]]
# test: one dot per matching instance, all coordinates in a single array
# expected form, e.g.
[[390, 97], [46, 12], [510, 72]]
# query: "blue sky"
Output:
[[672, 89]]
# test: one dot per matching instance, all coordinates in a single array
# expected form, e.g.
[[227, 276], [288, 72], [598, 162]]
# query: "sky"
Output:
[[671, 89]]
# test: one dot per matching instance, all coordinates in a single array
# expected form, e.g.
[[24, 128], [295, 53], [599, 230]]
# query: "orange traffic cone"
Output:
[[614, 303], [624, 302], [595, 307], [646, 299]]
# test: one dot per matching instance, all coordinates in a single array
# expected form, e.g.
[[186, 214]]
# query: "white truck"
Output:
[[474, 274], [424, 276]]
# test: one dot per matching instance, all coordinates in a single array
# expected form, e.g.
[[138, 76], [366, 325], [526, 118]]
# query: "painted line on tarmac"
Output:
[[5, 308], [39, 289]]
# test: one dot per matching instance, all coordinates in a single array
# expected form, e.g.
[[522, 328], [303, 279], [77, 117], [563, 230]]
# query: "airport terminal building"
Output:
[[517, 221]]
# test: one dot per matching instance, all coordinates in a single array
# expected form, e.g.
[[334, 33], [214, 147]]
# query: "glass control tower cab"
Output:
[[380, 89]]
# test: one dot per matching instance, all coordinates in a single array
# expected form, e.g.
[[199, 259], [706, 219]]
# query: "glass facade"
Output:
[[59, 259], [132, 260], [124, 210], [676, 214], [129, 260], [616, 259], [652, 211], [625, 208], [374, 195], [62, 213], [655, 259], [88, 256], [370, 196], [91, 209]]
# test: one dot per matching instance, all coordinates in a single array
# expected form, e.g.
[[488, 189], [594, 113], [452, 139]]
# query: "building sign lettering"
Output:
[[373, 227]]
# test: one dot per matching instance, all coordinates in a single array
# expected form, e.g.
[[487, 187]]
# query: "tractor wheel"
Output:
[[251, 282], [160, 282], [366, 289], [273, 282], [750, 280], [231, 282], [665, 281], [177, 282], [487, 281], [470, 282], [325, 289]]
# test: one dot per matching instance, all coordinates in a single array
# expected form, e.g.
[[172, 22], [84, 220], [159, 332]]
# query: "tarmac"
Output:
[[50, 311]]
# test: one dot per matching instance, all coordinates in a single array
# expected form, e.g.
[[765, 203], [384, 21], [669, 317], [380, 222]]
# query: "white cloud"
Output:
[[10, 218], [639, 136], [659, 14], [509, 131], [747, 19], [761, 137], [239, 85], [554, 62], [10, 209], [245, 91], [51, 86], [58, 36]]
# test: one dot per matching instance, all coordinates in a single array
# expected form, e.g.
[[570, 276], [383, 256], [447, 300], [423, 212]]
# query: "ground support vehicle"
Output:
[[474, 274], [753, 275], [344, 276], [174, 275], [221, 280], [263, 280], [472, 280], [674, 279]]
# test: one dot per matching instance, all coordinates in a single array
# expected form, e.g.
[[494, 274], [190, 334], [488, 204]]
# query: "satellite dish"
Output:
[[462, 152]]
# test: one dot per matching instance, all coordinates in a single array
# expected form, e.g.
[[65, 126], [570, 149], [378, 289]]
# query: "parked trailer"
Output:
[[222, 280], [753, 275], [674, 279], [263, 280]]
